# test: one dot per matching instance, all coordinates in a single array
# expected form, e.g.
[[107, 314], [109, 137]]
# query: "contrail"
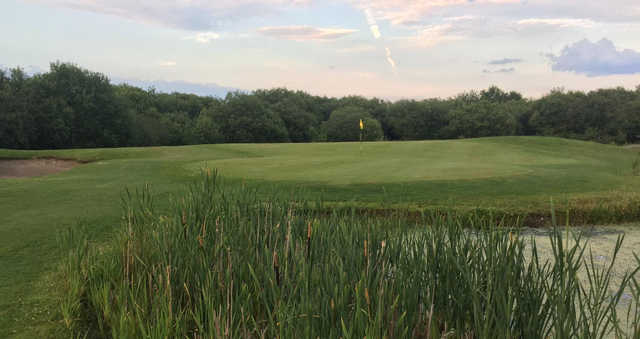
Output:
[[375, 30], [373, 25], [390, 59]]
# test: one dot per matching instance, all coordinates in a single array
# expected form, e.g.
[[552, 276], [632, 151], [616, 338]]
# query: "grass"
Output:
[[225, 263], [516, 174]]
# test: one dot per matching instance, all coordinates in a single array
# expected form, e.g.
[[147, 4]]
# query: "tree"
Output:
[[480, 119], [560, 113], [417, 120], [494, 94], [246, 118], [17, 127], [81, 107], [206, 130], [343, 125], [630, 114]]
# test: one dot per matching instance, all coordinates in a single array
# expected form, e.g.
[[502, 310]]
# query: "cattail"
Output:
[[276, 267], [169, 291], [309, 240], [204, 226], [332, 304], [201, 241], [365, 248], [286, 242], [184, 223], [366, 296]]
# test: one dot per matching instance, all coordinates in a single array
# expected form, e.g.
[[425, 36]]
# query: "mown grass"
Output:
[[591, 180], [226, 263]]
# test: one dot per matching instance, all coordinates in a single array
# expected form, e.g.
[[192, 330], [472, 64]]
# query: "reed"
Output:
[[227, 264]]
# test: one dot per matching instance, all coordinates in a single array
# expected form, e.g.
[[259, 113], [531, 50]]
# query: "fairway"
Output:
[[512, 173]]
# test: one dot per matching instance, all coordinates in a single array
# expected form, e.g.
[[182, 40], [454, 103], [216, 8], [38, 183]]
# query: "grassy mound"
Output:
[[225, 263]]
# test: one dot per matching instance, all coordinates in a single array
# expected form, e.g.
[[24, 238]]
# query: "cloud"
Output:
[[614, 11], [558, 22], [505, 61], [202, 89], [596, 59], [357, 49], [203, 37], [499, 71], [198, 15], [413, 12], [302, 33], [430, 36], [459, 18], [167, 63]]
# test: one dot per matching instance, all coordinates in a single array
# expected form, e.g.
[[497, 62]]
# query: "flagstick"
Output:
[[361, 129]]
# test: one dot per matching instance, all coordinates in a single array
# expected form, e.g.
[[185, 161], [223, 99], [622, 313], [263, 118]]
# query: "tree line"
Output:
[[71, 107]]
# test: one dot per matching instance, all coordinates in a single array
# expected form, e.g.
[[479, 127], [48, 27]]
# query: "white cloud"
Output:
[[167, 63], [411, 12], [199, 15], [459, 18], [357, 49], [558, 22], [302, 33], [430, 36], [203, 37]]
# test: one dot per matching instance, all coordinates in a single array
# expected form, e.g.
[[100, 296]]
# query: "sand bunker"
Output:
[[34, 167]]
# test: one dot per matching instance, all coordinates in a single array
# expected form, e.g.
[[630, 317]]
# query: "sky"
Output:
[[391, 49]]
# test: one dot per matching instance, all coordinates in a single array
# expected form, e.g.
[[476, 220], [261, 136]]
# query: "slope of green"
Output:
[[513, 172]]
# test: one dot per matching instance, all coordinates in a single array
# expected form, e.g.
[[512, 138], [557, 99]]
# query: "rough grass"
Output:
[[526, 172]]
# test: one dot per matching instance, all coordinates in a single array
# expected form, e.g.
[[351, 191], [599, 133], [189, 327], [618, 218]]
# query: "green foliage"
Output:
[[206, 130], [417, 120], [246, 118], [480, 119], [224, 263], [70, 107], [496, 95], [343, 125]]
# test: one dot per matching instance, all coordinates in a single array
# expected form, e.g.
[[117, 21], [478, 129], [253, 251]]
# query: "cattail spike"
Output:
[[276, 267]]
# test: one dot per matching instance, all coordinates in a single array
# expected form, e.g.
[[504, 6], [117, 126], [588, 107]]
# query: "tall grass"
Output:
[[225, 264]]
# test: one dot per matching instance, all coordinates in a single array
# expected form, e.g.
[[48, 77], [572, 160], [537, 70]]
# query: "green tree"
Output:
[[480, 119], [246, 118], [17, 127], [494, 94], [343, 125], [417, 120], [206, 130], [81, 107]]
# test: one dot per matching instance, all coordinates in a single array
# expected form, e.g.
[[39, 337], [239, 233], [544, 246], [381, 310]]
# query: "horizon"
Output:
[[378, 48]]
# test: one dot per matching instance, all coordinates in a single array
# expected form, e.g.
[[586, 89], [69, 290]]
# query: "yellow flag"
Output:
[[361, 125]]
